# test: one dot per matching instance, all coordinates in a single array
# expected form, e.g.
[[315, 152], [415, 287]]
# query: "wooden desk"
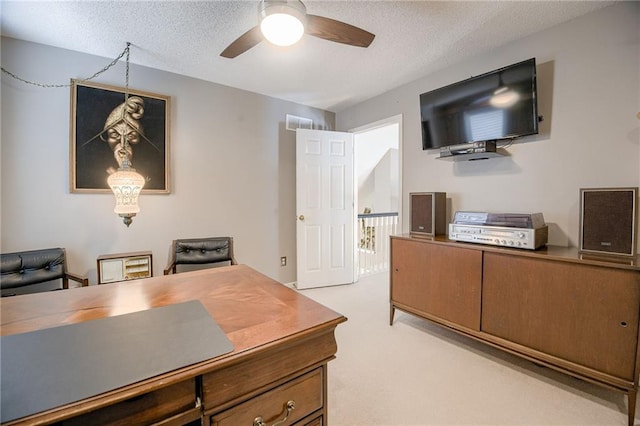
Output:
[[282, 343]]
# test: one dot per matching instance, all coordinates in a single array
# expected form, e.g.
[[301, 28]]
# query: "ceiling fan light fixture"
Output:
[[282, 22]]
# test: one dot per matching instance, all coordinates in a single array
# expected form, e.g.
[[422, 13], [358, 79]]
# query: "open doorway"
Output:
[[378, 189]]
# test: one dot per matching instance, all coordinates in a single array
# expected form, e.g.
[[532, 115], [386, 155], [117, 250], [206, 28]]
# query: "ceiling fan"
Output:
[[281, 18]]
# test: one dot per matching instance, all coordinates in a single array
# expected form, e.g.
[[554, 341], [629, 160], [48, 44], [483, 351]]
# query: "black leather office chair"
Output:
[[199, 251], [36, 271]]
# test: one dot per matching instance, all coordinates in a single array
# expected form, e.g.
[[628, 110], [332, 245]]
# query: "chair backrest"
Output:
[[202, 251], [27, 268]]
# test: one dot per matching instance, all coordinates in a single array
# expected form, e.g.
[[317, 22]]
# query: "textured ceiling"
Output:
[[413, 38]]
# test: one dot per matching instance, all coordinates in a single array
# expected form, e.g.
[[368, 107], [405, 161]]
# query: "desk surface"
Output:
[[254, 311]]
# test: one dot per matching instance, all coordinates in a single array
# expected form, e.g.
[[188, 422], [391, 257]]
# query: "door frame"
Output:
[[396, 119]]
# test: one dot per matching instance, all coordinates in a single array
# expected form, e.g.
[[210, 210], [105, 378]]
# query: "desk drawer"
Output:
[[226, 387], [317, 421], [306, 392], [150, 408]]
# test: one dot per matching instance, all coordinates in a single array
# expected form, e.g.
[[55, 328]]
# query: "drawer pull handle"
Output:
[[259, 421]]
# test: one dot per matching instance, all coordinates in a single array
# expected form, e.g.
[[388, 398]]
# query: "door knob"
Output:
[[301, 217]]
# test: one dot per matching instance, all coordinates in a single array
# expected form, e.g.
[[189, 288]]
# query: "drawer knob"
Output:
[[259, 421]]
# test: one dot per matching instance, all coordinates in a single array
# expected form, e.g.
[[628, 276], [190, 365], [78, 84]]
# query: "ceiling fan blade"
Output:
[[332, 30], [243, 43]]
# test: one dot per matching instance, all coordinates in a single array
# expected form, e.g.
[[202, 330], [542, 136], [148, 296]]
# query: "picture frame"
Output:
[[94, 107]]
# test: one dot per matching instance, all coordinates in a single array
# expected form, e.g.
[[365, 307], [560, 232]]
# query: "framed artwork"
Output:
[[97, 131]]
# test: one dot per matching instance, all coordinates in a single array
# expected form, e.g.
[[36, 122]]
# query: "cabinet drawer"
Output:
[[149, 408], [305, 391]]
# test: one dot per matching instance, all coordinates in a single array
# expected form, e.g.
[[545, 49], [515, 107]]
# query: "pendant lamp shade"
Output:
[[126, 185]]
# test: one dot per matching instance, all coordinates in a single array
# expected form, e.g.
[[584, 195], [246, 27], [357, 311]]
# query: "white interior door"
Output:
[[325, 212]]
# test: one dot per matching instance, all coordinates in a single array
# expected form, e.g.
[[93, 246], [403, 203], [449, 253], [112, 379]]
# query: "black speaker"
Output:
[[608, 220], [428, 213]]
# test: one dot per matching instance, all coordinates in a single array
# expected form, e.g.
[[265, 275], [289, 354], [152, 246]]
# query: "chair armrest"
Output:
[[169, 268], [172, 259], [84, 281]]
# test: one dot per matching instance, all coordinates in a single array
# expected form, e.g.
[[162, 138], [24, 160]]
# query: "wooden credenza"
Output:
[[578, 315], [282, 343]]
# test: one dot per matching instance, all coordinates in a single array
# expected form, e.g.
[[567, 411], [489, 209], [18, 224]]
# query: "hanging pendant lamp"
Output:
[[126, 183]]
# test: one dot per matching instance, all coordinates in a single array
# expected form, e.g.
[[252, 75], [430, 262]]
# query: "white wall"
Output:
[[232, 167], [589, 95], [387, 175], [372, 155]]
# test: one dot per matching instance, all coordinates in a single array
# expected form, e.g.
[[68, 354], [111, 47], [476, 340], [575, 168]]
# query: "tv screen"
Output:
[[500, 104]]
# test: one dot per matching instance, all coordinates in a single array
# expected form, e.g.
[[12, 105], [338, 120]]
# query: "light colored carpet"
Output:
[[418, 373]]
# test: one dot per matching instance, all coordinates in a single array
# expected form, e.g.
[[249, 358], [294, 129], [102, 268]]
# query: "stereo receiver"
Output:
[[526, 231]]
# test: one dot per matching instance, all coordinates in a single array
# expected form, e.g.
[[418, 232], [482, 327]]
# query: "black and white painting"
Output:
[[104, 131]]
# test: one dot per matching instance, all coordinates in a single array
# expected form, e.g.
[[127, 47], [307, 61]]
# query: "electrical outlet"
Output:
[[283, 261]]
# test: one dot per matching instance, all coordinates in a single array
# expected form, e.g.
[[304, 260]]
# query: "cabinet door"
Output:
[[437, 280], [582, 313]]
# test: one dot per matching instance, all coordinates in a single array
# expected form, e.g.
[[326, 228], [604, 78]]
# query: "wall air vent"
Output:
[[294, 122]]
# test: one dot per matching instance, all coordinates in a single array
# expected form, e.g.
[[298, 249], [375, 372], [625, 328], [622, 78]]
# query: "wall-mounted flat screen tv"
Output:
[[500, 104]]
